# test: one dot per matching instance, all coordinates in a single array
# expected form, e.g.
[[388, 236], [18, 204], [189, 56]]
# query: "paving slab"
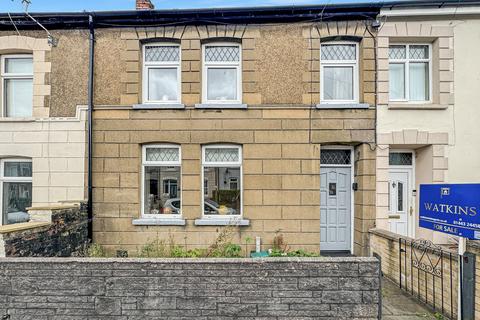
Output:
[[399, 305]]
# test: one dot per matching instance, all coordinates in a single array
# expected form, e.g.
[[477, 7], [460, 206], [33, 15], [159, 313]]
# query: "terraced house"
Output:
[[264, 118], [175, 123], [241, 120]]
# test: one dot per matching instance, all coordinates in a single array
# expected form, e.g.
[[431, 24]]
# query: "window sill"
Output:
[[26, 119], [147, 106], [158, 222], [416, 106], [342, 106], [222, 222], [220, 106]]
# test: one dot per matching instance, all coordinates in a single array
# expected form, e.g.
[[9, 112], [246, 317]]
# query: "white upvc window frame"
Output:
[[220, 65], [146, 163], [406, 63], [4, 179], [237, 164], [8, 76], [340, 63], [161, 65]]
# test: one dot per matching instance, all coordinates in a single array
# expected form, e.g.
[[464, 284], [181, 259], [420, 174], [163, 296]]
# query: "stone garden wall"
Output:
[[52, 232], [121, 289]]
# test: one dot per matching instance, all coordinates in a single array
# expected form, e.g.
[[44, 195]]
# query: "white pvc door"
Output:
[[335, 209], [399, 206]]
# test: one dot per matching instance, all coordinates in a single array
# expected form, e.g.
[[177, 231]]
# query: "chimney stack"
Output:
[[144, 5]]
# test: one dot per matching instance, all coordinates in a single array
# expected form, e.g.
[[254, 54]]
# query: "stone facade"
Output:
[[281, 133], [53, 232], [333, 288]]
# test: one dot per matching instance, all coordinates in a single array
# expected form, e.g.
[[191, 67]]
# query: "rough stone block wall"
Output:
[[319, 288], [66, 235]]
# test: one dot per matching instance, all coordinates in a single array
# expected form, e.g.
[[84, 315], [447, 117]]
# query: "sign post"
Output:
[[453, 209]]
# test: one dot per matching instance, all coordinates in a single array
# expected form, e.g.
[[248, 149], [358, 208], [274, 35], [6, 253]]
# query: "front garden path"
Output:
[[398, 305]]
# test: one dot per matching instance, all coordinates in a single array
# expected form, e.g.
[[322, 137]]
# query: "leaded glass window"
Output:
[[222, 73], [162, 53], [163, 154], [161, 181], [336, 157], [221, 155], [401, 158], [339, 73], [222, 181], [161, 73], [222, 53], [409, 72], [339, 51]]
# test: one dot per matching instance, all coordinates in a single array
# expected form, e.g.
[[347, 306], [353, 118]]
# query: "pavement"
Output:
[[399, 305]]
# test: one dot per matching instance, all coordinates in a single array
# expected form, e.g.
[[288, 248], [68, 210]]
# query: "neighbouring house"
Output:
[[42, 121], [427, 115]]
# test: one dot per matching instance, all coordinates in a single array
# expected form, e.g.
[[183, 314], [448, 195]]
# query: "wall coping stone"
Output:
[[22, 226], [395, 237], [187, 261], [55, 207]]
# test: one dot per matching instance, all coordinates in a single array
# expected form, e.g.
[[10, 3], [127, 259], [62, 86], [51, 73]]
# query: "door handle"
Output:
[[411, 211]]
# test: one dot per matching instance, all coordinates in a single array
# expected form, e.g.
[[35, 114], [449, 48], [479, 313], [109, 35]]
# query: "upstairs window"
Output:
[[161, 73], [339, 72], [410, 72], [161, 181], [15, 190], [222, 73], [17, 85], [222, 176]]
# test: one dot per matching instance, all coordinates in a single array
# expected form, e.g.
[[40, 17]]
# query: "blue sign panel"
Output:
[[451, 208]]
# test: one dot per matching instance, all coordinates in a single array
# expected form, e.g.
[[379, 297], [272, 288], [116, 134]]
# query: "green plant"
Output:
[[95, 250], [247, 241], [154, 249], [438, 316], [301, 253]]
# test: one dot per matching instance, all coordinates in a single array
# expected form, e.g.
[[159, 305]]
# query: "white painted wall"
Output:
[[57, 148]]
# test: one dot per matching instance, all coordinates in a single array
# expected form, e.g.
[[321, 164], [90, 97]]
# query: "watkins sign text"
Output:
[[451, 208]]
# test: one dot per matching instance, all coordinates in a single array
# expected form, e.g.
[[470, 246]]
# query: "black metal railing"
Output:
[[422, 263]]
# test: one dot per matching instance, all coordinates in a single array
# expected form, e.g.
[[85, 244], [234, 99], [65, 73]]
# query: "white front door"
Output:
[[399, 201], [335, 209]]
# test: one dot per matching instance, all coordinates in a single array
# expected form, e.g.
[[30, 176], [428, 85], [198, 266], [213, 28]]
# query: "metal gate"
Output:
[[426, 271]]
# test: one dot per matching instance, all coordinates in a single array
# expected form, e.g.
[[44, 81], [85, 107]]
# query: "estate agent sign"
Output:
[[451, 208]]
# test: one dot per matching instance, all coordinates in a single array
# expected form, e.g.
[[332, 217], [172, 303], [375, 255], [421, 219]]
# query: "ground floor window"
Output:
[[222, 176], [161, 181], [15, 190]]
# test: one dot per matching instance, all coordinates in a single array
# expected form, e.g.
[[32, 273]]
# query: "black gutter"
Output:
[[241, 15], [90, 124], [249, 15]]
